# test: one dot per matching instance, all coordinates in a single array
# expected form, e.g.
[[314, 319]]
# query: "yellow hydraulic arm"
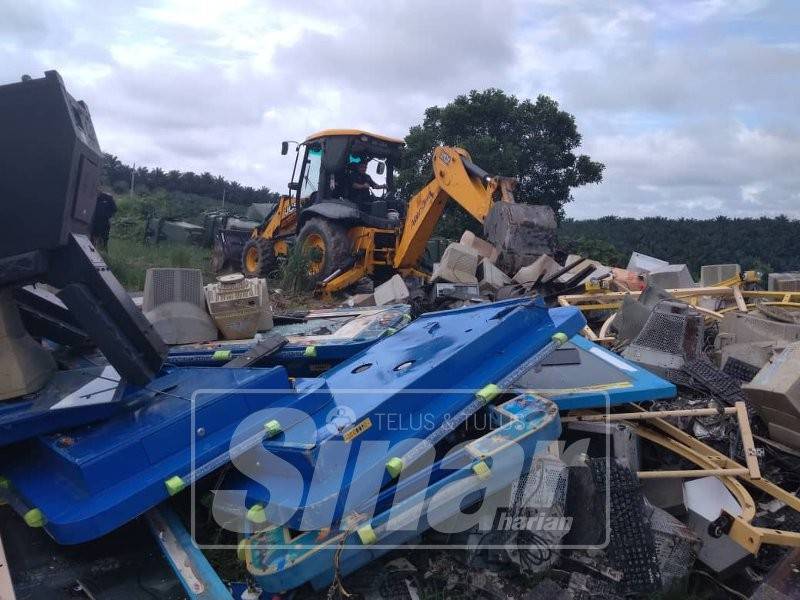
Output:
[[454, 176]]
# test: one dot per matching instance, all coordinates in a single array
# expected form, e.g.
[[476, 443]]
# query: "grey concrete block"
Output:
[[544, 265], [481, 247], [393, 291], [490, 277], [458, 265], [520, 232], [641, 263]]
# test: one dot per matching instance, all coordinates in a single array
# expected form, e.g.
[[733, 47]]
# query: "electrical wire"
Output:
[[337, 584], [530, 559]]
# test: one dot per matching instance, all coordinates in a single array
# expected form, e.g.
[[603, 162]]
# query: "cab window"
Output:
[[311, 169]]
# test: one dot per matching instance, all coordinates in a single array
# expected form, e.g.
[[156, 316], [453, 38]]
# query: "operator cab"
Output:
[[328, 163]]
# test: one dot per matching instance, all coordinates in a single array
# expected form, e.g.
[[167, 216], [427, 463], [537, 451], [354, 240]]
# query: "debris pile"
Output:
[[473, 270], [626, 503], [566, 429]]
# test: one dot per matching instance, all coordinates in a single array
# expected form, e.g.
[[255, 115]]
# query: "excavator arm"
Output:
[[455, 177]]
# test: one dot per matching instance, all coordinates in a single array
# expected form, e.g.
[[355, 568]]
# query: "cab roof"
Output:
[[353, 132]]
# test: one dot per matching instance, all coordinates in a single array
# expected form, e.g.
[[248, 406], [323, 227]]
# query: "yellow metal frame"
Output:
[[450, 181], [712, 462], [739, 410], [282, 222], [363, 241], [613, 300]]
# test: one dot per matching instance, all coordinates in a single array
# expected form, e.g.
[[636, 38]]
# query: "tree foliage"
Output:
[[533, 141], [117, 175], [763, 244]]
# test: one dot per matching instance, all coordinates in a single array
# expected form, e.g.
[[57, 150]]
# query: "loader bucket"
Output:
[[521, 232]]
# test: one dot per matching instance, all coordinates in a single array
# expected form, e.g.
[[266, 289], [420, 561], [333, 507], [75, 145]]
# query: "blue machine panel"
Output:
[[597, 379], [71, 398], [391, 397], [282, 560], [84, 482], [351, 335]]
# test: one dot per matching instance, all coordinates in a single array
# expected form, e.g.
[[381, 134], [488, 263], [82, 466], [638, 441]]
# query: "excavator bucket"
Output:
[[521, 232]]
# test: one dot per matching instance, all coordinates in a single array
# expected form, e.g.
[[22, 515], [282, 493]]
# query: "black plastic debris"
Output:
[[631, 549]]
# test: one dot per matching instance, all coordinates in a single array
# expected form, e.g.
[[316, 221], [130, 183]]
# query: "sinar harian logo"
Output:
[[340, 418]]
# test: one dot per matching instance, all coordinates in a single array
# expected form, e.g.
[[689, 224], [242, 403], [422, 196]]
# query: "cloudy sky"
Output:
[[692, 105]]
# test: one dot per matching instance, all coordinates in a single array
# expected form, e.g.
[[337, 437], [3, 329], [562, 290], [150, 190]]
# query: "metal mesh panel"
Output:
[[542, 491], [720, 384], [713, 274], [740, 370], [663, 332], [673, 333], [673, 328], [166, 285], [676, 545], [543, 486], [784, 282]]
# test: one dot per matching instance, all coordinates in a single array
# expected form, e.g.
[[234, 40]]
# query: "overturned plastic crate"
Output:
[[239, 306]]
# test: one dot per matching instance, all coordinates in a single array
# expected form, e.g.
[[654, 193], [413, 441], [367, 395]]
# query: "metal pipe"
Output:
[[475, 170]]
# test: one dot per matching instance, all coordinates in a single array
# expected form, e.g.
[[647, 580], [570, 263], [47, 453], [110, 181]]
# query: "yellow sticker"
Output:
[[357, 430]]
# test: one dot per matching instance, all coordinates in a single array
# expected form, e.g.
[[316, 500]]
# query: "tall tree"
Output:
[[533, 141]]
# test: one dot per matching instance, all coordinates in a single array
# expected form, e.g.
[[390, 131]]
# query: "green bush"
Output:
[[294, 272]]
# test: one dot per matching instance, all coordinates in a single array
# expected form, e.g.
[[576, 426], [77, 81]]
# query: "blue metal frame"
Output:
[[85, 482], [71, 398], [281, 563], [451, 355], [189, 564]]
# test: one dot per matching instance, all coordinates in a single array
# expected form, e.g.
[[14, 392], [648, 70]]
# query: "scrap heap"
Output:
[[730, 348], [566, 429]]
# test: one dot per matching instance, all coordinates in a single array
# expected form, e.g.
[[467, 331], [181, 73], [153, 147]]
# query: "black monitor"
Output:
[[49, 172]]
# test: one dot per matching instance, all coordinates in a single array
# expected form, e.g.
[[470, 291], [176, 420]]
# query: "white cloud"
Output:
[[691, 105]]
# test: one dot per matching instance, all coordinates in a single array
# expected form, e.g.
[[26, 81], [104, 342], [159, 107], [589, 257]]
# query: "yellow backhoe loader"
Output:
[[348, 232]]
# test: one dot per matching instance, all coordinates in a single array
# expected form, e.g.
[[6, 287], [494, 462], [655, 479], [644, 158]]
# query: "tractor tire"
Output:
[[258, 258], [217, 257], [327, 246]]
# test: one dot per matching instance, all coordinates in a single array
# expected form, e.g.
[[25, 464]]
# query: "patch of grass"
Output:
[[294, 272], [128, 259]]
